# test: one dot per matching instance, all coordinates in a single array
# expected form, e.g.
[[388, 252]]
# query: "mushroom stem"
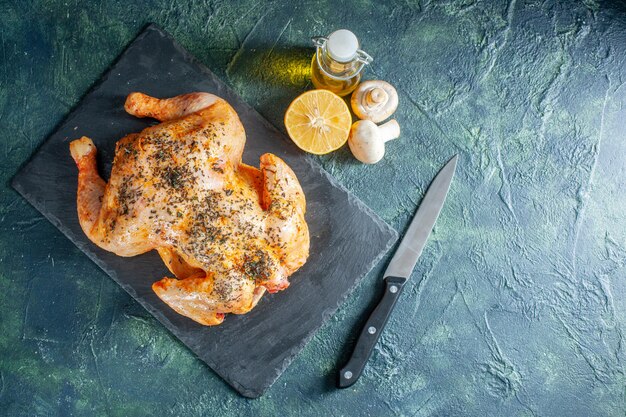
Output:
[[389, 131], [376, 96]]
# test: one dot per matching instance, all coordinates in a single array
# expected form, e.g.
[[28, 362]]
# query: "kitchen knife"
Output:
[[398, 271]]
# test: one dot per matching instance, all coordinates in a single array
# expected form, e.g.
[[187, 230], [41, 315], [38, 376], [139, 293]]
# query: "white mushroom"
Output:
[[374, 100], [367, 141]]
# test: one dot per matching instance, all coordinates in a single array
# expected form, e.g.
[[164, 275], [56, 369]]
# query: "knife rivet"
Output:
[[371, 330], [347, 375], [393, 289]]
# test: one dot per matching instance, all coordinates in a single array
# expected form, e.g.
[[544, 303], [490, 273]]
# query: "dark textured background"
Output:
[[518, 305]]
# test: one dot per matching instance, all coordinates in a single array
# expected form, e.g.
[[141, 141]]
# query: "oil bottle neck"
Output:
[[337, 69]]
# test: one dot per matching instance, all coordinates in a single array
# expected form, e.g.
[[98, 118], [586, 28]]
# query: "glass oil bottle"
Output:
[[338, 62]]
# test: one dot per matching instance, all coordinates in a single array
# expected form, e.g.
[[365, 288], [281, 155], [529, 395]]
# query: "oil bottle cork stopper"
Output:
[[342, 45]]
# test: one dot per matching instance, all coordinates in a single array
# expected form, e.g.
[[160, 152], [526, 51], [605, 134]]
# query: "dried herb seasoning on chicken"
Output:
[[226, 230]]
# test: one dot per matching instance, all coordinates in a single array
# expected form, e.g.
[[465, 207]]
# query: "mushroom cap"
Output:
[[365, 142], [374, 100]]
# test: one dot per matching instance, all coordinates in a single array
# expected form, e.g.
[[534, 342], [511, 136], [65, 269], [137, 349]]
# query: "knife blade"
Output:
[[399, 270]]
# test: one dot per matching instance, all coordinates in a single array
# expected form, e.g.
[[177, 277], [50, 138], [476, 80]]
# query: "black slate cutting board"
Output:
[[347, 239]]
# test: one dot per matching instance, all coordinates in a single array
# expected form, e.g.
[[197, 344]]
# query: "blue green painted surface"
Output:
[[517, 305]]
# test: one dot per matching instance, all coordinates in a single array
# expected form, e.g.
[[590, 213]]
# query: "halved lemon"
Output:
[[318, 121]]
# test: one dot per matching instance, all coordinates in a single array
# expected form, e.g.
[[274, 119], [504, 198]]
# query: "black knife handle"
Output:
[[371, 332]]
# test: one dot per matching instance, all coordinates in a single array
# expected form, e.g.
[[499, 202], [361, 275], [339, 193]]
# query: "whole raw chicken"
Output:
[[226, 230]]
